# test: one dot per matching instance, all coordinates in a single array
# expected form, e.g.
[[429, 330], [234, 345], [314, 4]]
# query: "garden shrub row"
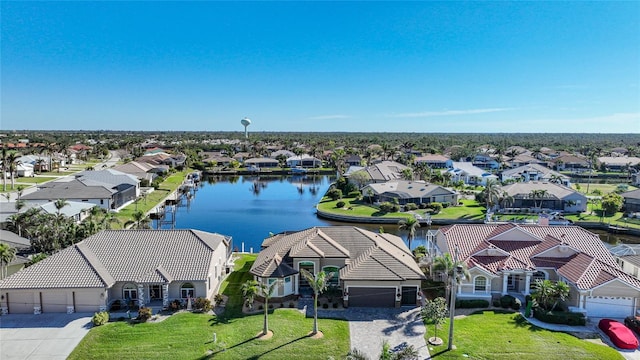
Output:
[[508, 301], [559, 317]]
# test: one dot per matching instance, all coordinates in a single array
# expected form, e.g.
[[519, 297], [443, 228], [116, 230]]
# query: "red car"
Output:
[[620, 335]]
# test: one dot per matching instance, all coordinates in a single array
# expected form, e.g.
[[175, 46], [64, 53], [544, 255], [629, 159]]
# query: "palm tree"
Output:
[[506, 199], [447, 265], [59, 204], [140, 221], [108, 219], [249, 291], [12, 163], [491, 193], [266, 291], [4, 168], [537, 194], [40, 162], [7, 255], [410, 224], [318, 283]]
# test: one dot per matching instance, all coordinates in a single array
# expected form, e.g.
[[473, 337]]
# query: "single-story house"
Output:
[[127, 186], [470, 174], [534, 172], [149, 267], [571, 162], [618, 163], [76, 210], [434, 161], [371, 269], [405, 191], [305, 160], [352, 160], [24, 170], [73, 190], [286, 153], [261, 163], [385, 171], [142, 171], [554, 197], [631, 201], [508, 258], [485, 161], [523, 159]]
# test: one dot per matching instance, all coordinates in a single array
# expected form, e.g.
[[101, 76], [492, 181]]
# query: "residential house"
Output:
[[552, 197], [485, 161], [215, 157], [524, 159], [534, 172], [305, 161], [145, 172], [385, 171], [631, 201], [78, 211], [7, 209], [508, 259], [73, 190], [261, 163], [371, 269], [39, 163], [404, 191], [353, 160], [618, 163], [149, 267], [434, 161], [470, 174], [628, 257], [22, 246], [570, 162], [127, 186], [24, 170], [286, 153]]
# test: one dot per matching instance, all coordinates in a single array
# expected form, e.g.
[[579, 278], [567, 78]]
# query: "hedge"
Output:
[[471, 304], [559, 317]]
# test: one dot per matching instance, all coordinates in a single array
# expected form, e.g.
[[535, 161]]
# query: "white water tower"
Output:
[[245, 122]]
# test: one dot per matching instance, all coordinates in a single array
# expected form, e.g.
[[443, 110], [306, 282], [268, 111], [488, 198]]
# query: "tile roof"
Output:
[[124, 255], [386, 170], [523, 190], [73, 189], [13, 240], [577, 254], [368, 255]]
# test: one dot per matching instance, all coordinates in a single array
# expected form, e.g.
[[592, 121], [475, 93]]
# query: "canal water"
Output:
[[250, 208]]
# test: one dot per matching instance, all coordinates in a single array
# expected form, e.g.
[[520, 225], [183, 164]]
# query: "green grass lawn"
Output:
[[189, 336], [354, 207], [33, 180], [495, 335], [471, 210]]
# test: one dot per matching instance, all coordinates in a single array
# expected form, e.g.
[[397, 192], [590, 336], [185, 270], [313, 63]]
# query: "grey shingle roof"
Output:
[[14, 240], [124, 255], [368, 255], [69, 190]]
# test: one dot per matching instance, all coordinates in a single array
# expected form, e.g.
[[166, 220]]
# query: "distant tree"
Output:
[[612, 203], [410, 224], [434, 311], [7, 255]]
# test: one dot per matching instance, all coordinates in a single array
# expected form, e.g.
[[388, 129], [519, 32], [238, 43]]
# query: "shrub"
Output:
[[335, 305], [325, 306], [506, 301], [436, 206], [292, 305], [446, 204], [175, 305], [270, 306], [559, 317], [100, 318], [470, 304], [334, 194], [144, 314], [354, 194], [260, 307], [411, 206], [201, 304], [496, 303], [281, 305], [218, 299], [340, 204]]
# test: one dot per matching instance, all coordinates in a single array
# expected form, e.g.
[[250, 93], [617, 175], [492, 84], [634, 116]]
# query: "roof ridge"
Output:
[[335, 244], [95, 263]]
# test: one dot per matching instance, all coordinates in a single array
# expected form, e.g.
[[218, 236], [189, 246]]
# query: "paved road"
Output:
[[46, 336]]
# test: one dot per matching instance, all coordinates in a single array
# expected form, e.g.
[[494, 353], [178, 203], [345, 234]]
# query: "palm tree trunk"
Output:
[[315, 314], [265, 329]]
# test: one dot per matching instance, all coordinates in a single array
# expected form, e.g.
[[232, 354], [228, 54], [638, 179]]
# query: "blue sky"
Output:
[[322, 66]]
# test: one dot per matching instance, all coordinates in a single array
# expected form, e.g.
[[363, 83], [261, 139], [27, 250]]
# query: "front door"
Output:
[[304, 284], [155, 292], [513, 283]]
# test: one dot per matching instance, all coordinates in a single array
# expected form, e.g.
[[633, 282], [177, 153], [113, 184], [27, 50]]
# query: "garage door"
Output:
[[21, 303], [54, 302], [87, 301], [372, 297], [609, 306]]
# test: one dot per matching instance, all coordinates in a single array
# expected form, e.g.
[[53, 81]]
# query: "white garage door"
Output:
[[609, 306], [21, 302], [54, 301]]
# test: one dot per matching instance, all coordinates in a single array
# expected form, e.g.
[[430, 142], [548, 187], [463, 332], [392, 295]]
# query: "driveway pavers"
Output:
[[44, 336]]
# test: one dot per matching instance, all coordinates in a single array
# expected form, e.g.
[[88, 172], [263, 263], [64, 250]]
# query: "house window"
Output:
[[287, 279], [101, 201], [130, 291], [187, 291], [334, 281], [480, 284]]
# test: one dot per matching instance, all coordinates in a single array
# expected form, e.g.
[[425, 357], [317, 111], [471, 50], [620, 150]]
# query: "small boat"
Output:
[[614, 228], [298, 170]]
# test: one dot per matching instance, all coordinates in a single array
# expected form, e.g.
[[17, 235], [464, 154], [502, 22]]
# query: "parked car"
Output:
[[633, 323], [620, 335]]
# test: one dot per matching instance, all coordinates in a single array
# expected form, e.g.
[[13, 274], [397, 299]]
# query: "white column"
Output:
[[165, 294], [505, 282], [141, 295], [527, 283], [581, 301]]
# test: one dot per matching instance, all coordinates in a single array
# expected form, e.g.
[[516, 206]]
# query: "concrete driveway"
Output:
[[45, 336]]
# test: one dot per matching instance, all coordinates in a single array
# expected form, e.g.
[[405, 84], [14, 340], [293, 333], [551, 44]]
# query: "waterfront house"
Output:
[[508, 258], [148, 267], [470, 174], [261, 163], [385, 171], [143, 171], [571, 162], [72, 190], [405, 191], [22, 246], [618, 163], [370, 269], [304, 160], [549, 196], [534, 172]]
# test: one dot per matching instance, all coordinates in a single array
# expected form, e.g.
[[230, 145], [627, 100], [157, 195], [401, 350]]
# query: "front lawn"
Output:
[[190, 336], [496, 335]]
